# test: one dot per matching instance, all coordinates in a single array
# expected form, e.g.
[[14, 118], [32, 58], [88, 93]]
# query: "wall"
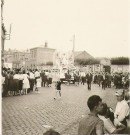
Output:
[[97, 67], [123, 68]]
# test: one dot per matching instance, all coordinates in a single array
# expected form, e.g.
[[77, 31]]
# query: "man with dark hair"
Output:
[[51, 132], [91, 124]]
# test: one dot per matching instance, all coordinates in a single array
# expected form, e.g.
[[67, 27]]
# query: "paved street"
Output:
[[27, 114]]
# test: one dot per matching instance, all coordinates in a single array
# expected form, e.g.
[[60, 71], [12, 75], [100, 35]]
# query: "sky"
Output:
[[100, 26]]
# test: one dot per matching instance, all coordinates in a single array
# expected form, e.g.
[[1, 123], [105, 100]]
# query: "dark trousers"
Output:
[[5, 90], [109, 84], [32, 81], [99, 82], [104, 84], [89, 85], [43, 83], [83, 80]]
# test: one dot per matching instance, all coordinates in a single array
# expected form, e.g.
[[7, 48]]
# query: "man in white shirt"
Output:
[[36, 74], [122, 109], [31, 80]]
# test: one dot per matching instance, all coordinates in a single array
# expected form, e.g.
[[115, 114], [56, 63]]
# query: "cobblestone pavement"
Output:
[[28, 114]]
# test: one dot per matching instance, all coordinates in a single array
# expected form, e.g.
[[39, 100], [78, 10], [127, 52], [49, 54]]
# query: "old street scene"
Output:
[[64, 67]]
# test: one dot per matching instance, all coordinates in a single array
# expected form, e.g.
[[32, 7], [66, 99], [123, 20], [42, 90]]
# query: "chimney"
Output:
[[46, 45]]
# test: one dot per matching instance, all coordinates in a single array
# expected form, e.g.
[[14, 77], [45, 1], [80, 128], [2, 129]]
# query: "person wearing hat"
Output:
[[122, 109]]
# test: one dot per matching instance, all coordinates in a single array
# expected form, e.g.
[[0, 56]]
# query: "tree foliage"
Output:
[[87, 61], [120, 61]]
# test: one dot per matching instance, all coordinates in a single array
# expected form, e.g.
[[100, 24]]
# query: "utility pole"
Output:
[[73, 43]]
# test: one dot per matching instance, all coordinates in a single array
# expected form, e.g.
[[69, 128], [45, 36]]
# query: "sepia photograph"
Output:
[[65, 67]]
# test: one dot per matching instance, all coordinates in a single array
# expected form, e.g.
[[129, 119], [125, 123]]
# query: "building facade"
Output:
[[8, 56], [20, 59], [40, 56]]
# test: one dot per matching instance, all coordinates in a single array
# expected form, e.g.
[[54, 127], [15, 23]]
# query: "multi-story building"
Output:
[[8, 56], [20, 59], [40, 56]]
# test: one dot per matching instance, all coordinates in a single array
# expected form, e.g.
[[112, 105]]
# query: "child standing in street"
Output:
[[58, 88], [38, 84]]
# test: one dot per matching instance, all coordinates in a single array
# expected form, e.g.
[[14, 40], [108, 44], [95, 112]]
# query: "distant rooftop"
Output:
[[77, 53], [45, 46]]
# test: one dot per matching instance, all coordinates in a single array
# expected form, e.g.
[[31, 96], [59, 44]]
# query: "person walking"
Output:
[[89, 80], [83, 78], [58, 88], [99, 79]]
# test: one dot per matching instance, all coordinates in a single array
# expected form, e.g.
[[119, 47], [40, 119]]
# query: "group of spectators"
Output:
[[20, 82]]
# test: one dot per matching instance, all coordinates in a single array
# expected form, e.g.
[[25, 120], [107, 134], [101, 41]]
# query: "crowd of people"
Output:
[[19, 82]]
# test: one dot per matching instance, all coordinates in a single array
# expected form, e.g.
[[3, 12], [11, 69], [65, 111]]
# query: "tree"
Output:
[[120, 61], [89, 61]]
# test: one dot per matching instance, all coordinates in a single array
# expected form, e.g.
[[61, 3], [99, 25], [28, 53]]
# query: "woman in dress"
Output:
[[38, 84], [26, 84]]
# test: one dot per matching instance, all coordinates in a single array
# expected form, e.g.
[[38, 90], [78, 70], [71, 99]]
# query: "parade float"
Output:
[[63, 64]]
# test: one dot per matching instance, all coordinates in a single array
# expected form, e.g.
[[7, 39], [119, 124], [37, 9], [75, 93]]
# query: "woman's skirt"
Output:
[[20, 84], [15, 84], [50, 81]]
